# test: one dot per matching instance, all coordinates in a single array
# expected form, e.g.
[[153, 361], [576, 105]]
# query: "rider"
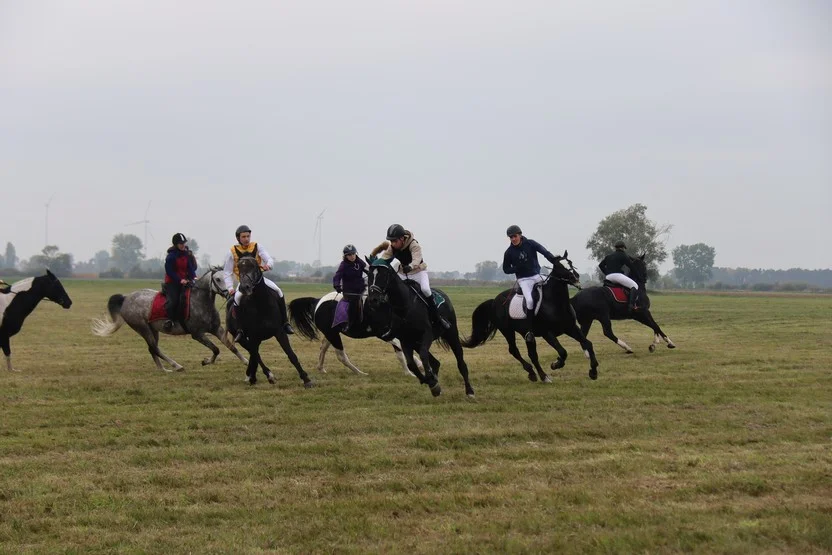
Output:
[[613, 268], [4, 287], [406, 249], [349, 279], [520, 259], [180, 270], [245, 248]]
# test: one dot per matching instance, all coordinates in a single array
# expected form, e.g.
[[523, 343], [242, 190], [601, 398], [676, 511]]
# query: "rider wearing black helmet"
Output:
[[349, 280], [406, 249], [520, 259], [615, 267], [180, 269], [245, 248]]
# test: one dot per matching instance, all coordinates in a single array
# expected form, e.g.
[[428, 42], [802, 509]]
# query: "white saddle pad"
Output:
[[515, 307], [333, 296]]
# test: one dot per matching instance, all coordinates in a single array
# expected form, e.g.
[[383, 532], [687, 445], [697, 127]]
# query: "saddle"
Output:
[[516, 301], [343, 315], [620, 294], [414, 285], [157, 308]]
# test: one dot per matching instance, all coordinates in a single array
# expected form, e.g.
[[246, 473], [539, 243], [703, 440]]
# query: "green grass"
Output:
[[722, 445]]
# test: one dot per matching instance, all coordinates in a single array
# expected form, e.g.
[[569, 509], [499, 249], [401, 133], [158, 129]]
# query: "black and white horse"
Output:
[[21, 300]]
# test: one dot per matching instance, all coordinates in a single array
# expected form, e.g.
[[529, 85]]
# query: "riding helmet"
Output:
[[178, 238], [242, 229], [620, 245], [394, 232], [514, 230], [350, 249]]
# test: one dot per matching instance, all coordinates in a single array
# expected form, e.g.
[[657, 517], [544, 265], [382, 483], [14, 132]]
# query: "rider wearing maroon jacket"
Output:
[[180, 269]]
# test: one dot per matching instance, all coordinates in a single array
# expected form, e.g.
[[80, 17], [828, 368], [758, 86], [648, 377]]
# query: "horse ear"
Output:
[[642, 257], [565, 254], [48, 273]]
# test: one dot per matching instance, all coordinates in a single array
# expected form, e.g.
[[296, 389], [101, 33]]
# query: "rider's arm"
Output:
[[191, 266], [267, 259], [418, 262], [170, 267], [508, 267], [542, 250], [336, 279], [228, 271]]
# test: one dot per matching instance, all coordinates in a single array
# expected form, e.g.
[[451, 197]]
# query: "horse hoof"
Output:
[[557, 365], [271, 379], [470, 395], [651, 348], [532, 377], [205, 362], [628, 352], [593, 374], [436, 390], [671, 346], [180, 369], [547, 379], [309, 384]]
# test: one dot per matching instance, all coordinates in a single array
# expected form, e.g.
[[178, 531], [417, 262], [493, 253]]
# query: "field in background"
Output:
[[722, 445]]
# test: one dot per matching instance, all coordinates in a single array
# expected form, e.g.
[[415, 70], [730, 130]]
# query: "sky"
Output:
[[454, 118]]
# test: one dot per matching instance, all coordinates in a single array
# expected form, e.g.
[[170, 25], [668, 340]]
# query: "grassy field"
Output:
[[722, 445]]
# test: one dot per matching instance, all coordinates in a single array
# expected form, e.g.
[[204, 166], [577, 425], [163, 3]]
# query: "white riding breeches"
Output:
[[622, 280], [422, 279], [269, 283], [527, 286]]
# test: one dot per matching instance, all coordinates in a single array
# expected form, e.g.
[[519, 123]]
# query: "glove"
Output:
[[338, 289], [407, 269]]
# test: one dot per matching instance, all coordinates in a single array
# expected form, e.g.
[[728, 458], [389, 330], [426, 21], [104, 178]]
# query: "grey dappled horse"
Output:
[[134, 310]]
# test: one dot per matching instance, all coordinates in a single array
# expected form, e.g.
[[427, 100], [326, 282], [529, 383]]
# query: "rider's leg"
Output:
[[527, 286], [171, 304], [433, 311], [287, 327]]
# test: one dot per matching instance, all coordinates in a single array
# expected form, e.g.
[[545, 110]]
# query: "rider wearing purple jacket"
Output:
[[349, 279]]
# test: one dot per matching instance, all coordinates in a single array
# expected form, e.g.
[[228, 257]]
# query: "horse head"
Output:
[[381, 278], [215, 281], [250, 274], [638, 270], [54, 290], [564, 271]]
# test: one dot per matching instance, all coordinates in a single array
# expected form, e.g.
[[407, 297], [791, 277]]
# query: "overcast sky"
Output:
[[453, 118]]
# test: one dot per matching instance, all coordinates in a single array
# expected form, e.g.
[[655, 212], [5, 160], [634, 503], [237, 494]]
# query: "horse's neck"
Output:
[[402, 294], [25, 302], [556, 291]]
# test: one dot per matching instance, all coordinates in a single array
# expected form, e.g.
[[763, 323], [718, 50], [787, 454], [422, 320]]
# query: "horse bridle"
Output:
[[248, 278], [211, 287]]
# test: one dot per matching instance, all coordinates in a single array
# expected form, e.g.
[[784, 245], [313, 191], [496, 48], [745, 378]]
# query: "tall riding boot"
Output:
[[433, 313], [529, 337], [631, 304], [287, 327]]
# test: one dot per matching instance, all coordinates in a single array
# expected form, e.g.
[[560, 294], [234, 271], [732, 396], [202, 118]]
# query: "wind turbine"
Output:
[[48, 202], [319, 232], [145, 221]]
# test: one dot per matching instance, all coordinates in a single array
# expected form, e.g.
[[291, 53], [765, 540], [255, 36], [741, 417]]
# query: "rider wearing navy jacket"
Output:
[[520, 259], [180, 269]]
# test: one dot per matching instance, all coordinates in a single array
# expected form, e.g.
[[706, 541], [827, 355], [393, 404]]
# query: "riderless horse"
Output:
[[20, 300], [257, 319], [396, 308], [143, 310], [553, 317], [605, 304]]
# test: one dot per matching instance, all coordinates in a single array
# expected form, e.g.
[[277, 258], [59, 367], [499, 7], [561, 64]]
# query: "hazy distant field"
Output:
[[722, 445]]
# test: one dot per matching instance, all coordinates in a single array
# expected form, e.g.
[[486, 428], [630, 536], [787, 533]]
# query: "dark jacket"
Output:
[[522, 259], [614, 263], [350, 276], [179, 265]]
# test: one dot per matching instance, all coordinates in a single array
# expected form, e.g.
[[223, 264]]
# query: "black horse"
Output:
[[555, 317], [257, 319], [395, 309], [310, 315], [20, 300], [598, 303]]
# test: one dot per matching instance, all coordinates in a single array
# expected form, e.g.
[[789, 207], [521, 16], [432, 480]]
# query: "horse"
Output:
[[394, 308], [598, 303], [553, 317], [20, 300], [310, 315], [259, 318], [137, 308]]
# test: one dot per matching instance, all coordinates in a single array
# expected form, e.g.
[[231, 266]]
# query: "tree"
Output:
[[102, 261], [641, 235], [126, 251], [10, 259], [58, 263], [193, 244], [486, 270], [694, 263]]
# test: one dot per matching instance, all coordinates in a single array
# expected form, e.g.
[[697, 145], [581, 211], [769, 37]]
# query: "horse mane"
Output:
[[383, 246], [22, 285]]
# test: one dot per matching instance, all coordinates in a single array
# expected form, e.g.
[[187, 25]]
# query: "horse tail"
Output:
[[103, 328], [483, 327], [302, 315]]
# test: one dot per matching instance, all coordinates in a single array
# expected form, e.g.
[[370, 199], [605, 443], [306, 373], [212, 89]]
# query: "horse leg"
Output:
[[658, 335], [222, 335], [550, 338], [151, 337], [606, 324], [511, 339], [341, 353], [397, 350], [430, 376], [202, 339], [322, 355], [407, 352], [531, 346], [253, 349], [456, 348], [7, 351], [283, 339], [586, 345]]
